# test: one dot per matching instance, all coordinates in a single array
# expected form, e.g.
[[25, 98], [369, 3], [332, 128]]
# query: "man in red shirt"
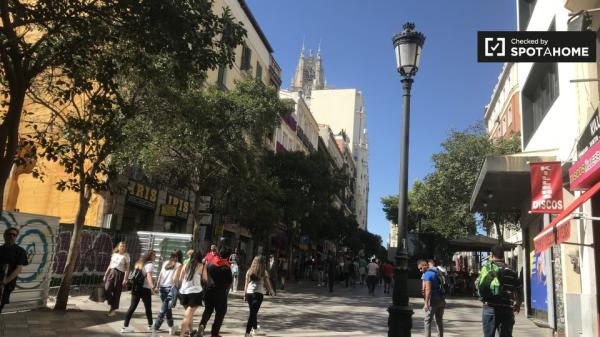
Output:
[[212, 253], [388, 276]]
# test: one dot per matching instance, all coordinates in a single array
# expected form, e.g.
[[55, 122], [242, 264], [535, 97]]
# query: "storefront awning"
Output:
[[476, 243], [504, 183], [559, 230]]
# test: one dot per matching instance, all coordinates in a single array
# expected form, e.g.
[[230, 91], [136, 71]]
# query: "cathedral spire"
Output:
[[309, 72], [318, 81], [297, 81]]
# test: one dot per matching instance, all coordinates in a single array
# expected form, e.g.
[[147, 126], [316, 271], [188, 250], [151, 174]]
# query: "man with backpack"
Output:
[[498, 288], [435, 302], [218, 278]]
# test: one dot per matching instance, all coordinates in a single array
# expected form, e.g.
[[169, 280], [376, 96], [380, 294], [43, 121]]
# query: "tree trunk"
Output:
[[65, 286], [499, 232], [196, 239], [9, 137]]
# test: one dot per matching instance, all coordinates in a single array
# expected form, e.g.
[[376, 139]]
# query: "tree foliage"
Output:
[[208, 140], [440, 203], [40, 38], [86, 63]]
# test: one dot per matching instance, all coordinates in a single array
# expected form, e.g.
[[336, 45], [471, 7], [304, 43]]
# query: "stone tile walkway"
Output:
[[299, 312]]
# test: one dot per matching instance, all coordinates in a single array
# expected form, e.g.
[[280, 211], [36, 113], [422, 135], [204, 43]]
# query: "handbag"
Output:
[[97, 294], [172, 297]]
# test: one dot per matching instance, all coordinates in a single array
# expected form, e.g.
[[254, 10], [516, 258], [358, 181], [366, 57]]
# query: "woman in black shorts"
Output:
[[190, 291]]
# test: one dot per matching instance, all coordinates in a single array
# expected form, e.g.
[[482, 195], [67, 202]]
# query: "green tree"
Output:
[[40, 37], [208, 140], [91, 93], [440, 203], [416, 211]]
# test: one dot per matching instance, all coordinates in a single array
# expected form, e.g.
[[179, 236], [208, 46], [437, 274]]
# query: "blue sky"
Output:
[[450, 90]]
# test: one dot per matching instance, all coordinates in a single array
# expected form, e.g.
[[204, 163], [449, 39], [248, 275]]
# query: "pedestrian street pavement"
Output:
[[301, 311]]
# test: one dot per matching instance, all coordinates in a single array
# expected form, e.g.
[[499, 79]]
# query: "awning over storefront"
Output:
[[559, 230], [476, 243], [504, 181]]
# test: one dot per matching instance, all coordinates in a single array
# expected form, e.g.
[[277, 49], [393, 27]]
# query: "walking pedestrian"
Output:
[[257, 278], [320, 265], [188, 256], [12, 260], [283, 270], [388, 274], [145, 266], [434, 298], [331, 267], [356, 273], [191, 290], [362, 269], [346, 270], [372, 270], [310, 267], [272, 269], [218, 280], [168, 291], [115, 277], [212, 253], [235, 269], [499, 289]]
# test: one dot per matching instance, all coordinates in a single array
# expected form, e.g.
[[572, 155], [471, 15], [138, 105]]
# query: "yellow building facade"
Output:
[[141, 206]]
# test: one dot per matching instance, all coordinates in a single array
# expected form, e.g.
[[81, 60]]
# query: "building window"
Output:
[[258, 71], [246, 57], [539, 93], [509, 114], [525, 11], [221, 77]]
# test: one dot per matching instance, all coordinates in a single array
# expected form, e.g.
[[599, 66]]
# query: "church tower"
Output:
[[309, 74]]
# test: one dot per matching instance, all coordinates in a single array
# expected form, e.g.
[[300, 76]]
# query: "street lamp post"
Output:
[[407, 45]]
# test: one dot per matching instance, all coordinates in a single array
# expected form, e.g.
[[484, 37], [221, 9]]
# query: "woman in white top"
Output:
[[235, 270], [115, 277], [190, 290], [146, 266], [254, 289], [372, 269], [165, 284]]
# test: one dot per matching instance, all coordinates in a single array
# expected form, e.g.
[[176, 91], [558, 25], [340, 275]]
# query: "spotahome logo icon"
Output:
[[495, 46], [536, 46]]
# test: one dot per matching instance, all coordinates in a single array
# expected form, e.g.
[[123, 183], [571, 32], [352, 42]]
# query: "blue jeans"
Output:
[[165, 308], [499, 319]]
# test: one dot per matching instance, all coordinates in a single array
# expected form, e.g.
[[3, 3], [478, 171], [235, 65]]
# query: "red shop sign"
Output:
[[586, 171], [546, 187]]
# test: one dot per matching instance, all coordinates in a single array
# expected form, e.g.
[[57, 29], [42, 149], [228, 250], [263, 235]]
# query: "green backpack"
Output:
[[495, 282]]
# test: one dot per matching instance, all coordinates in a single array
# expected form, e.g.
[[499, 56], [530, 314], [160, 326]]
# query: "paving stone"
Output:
[[296, 312]]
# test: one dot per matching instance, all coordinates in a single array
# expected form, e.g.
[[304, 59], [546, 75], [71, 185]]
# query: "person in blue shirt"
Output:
[[434, 298]]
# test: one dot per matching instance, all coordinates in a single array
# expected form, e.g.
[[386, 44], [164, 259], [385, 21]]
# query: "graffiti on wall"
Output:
[[36, 236], [95, 250]]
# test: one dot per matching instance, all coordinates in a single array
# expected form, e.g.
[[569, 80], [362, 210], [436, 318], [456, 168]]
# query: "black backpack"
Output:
[[135, 283]]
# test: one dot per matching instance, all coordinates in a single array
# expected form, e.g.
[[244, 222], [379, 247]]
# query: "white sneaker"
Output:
[[112, 313], [150, 328], [126, 329], [172, 331]]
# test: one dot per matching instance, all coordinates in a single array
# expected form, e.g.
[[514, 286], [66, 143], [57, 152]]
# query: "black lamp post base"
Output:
[[400, 321]]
